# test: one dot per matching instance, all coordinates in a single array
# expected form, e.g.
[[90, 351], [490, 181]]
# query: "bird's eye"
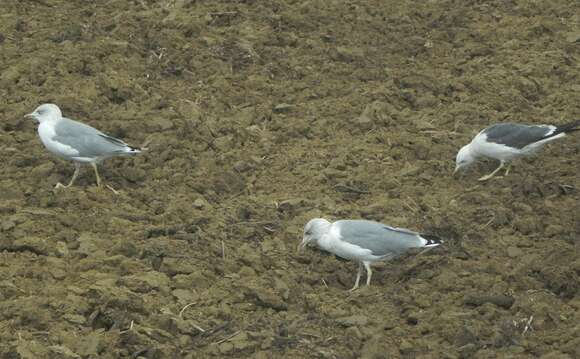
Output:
[[308, 233]]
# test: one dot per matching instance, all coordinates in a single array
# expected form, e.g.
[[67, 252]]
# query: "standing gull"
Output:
[[75, 141], [363, 241], [506, 141]]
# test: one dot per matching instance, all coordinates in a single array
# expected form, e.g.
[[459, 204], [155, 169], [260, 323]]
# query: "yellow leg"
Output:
[[369, 272], [507, 169], [485, 178], [73, 179], [96, 174], [358, 275]]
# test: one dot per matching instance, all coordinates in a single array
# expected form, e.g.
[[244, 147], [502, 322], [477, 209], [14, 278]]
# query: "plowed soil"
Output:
[[257, 116]]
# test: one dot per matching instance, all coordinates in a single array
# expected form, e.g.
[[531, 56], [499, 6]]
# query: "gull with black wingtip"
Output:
[[507, 141], [363, 241], [75, 141]]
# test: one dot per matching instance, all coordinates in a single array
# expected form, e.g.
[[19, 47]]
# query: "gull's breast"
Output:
[[46, 133]]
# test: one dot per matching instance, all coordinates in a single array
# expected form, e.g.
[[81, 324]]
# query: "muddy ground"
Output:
[[257, 116]]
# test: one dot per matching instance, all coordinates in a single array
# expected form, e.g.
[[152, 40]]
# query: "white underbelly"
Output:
[[353, 252], [497, 151]]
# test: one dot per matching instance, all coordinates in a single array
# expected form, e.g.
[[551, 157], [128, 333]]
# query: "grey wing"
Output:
[[381, 239], [517, 135], [88, 141]]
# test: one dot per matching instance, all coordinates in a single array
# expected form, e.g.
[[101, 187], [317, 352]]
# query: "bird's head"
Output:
[[45, 112], [464, 158], [313, 231]]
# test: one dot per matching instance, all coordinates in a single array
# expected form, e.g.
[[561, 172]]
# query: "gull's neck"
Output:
[[471, 149], [326, 240]]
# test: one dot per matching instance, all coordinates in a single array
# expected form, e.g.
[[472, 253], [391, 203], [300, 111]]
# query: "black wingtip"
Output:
[[569, 127], [432, 240]]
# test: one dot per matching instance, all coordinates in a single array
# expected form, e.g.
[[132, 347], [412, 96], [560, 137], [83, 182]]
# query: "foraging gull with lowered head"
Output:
[[363, 241], [507, 141]]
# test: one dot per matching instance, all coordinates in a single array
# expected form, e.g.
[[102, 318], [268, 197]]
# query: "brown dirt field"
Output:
[[259, 115]]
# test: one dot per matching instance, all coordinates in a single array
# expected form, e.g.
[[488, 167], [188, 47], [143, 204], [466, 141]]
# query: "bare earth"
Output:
[[257, 116]]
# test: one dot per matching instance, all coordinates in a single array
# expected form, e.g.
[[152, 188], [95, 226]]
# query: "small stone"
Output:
[[241, 341], [282, 107], [514, 252], [184, 340], [409, 170], [7, 225], [553, 230], [61, 249], [75, 319], [63, 352], [526, 225], [226, 348], [365, 122], [90, 345], [353, 320], [500, 300], [464, 337], [223, 143], [348, 54], [247, 272], [243, 166], [354, 332], [337, 163], [197, 280], [134, 175], [522, 207], [184, 295], [467, 350], [199, 203], [173, 266], [290, 204], [334, 174], [146, 282], [161, 123], [406, 347], [126, 248], [88, 245], [58, 273], [267, 298]]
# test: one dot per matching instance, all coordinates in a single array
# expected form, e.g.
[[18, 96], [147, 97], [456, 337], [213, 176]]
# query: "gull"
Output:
[[75, 141], [507, 141], [363, 241]]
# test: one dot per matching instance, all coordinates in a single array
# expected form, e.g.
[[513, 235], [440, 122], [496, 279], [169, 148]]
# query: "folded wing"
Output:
[[381, 239]]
